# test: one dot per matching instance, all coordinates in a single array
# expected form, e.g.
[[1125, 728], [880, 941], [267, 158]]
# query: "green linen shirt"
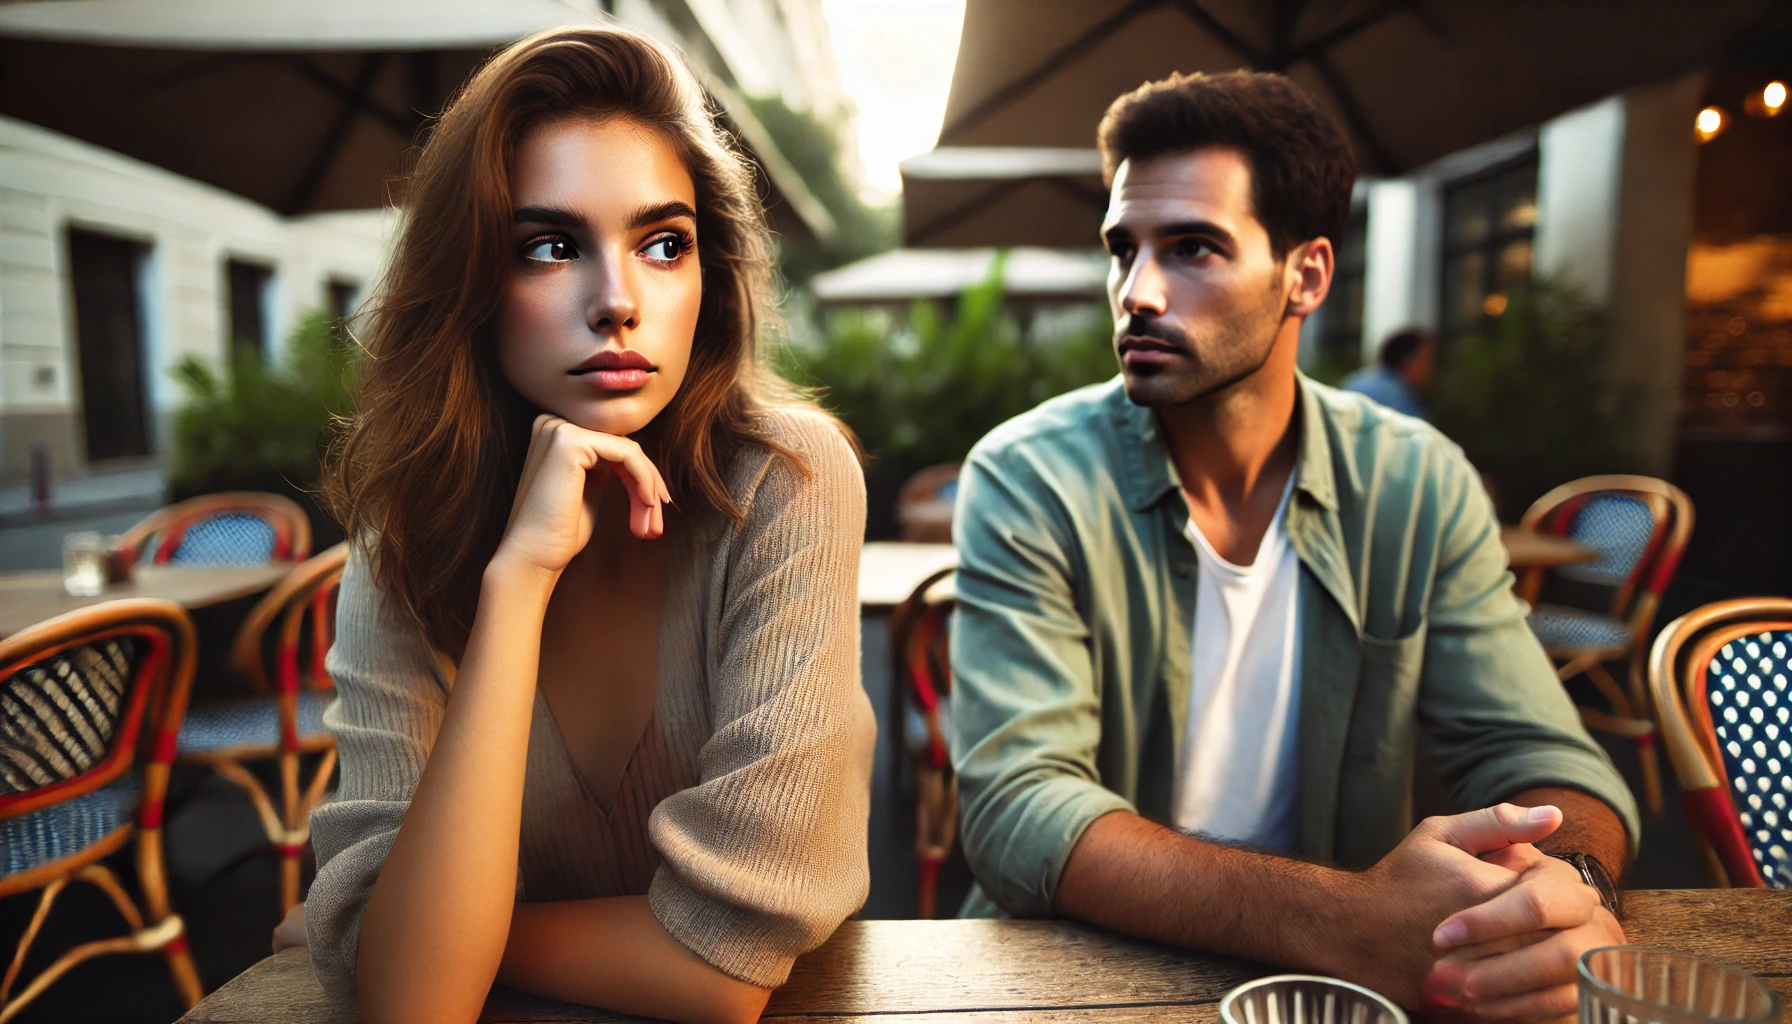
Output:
[[1076, 601]]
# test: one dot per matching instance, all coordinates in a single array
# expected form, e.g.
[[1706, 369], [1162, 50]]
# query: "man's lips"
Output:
[[615, 370], [1138, 350]]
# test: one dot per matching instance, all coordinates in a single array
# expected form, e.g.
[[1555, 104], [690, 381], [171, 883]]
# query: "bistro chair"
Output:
[[233, 528], [81, 696], [284, 719], [1639, 526], [1719, 677], [918, 637]]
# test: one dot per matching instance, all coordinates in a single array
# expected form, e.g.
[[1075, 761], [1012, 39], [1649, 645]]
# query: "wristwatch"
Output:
[[1594, 874]]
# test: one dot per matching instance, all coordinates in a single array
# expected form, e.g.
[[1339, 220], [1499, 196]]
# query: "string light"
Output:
[[1709, 122], [1773, 97]]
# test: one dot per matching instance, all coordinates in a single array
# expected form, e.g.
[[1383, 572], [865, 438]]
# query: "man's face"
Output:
[[1196, 294]]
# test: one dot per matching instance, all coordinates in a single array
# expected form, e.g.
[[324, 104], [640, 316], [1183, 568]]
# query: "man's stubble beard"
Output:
[[1245, 345]]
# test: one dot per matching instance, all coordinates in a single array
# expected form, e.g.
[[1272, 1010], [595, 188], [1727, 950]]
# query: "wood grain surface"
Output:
[[1006, 972], [27, 598]]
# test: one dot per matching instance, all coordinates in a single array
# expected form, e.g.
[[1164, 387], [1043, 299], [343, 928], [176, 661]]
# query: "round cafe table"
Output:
[[27, 598]]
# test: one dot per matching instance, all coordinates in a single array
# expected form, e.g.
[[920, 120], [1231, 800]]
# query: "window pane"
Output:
[[1515, 263], [1464, 289], [1518, 198], [1465, 214]]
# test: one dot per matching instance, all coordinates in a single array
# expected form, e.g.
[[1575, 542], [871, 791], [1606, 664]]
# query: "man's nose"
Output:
[[613, 304], [1142, 290]]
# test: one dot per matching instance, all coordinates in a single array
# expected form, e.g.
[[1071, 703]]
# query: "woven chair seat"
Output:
[[250, 721], [65, 829], [234, 538], [1751, 713], [1563, 628]]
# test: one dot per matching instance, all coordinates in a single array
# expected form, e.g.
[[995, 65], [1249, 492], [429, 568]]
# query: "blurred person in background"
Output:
[[1401, 373], [602, 732], [1207, 614]]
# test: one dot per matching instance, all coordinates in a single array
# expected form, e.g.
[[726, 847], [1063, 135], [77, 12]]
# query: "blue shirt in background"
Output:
[[1386, 386]]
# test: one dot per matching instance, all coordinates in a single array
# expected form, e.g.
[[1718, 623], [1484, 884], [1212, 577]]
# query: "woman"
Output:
[[599, 713]]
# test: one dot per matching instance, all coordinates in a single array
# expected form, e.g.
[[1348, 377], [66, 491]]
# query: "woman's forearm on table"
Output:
[[423, 956], [614, 954]]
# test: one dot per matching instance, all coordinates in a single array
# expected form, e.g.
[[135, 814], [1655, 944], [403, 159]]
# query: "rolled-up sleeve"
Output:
[[766, 855], [391, 692], [1026, 717], [1494, 717]]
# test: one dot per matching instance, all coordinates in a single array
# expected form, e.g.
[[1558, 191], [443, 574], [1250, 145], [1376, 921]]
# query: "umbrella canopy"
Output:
[[979, 196], [903, 275], [1412, 80], [300, 105]]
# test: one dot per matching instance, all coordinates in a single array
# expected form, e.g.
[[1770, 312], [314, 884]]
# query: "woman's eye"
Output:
[[665, 249], [550, 250]]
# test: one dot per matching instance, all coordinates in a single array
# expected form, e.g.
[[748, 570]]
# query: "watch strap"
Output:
[[1594, 874]]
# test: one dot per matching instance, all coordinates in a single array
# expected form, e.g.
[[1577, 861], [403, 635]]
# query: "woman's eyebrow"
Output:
[[546, 215], [661, 211]]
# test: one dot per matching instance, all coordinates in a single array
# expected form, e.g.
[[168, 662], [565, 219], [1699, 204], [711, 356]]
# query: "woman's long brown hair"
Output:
[[426, 472]]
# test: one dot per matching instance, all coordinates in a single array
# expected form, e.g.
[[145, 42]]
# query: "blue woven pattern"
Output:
[[1570, 628], [57, 716], [1618, 527], [251, 721], [66, 828], [1751, 704], [230, 538]]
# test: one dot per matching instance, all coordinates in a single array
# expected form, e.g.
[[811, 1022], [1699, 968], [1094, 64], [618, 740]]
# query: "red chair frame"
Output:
[[1678, 684], [169, 526], [151, 723], [919, 642], [306, 593], [1634, 604]]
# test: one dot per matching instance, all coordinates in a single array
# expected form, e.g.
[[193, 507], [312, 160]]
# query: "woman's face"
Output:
[[601, 301]]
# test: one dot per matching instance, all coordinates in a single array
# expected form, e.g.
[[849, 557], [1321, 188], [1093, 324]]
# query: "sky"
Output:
[[895, 61]]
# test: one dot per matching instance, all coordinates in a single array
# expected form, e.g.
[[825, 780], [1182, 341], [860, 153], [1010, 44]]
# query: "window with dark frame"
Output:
[[340, 294], [1341, 328], [1490, 221], [248, 287]]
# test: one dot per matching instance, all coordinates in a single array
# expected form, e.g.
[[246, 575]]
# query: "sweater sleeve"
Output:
[[766, 855], [391, 692]]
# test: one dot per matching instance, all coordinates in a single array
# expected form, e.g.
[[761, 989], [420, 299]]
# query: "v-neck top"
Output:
[[742, 812]]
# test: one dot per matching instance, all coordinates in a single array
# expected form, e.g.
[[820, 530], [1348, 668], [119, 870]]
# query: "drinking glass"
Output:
[[1635, 985], [1306, 999], [83, 564]]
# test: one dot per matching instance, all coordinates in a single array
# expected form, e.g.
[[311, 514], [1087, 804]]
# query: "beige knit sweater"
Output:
[[741, 815]]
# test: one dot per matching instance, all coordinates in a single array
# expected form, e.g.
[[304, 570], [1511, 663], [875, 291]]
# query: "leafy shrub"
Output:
[[257, 426], [1531, 400], [921, 389]]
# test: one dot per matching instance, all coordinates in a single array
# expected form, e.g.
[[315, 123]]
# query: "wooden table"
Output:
[[1005, 972], [27, 598], [1528, 549], [890, 570]]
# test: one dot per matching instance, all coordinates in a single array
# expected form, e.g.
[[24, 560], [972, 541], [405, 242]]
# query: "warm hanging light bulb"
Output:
[[1709, 122], [1773, 97]]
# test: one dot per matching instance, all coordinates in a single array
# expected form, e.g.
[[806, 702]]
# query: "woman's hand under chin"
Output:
[[556, 499]]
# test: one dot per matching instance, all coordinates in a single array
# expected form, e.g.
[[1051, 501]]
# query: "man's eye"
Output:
[[666, 249], [1193, 249], [1121, 253], [550, 250]]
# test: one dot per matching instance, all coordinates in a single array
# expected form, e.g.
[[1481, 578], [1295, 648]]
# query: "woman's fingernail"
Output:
[[1448, 934]]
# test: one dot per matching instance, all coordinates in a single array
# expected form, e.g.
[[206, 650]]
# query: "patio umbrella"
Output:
[[1029, 277], [1002, 195], [300, 105], [1412, 80]]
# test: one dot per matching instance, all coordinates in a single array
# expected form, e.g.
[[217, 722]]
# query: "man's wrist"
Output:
[[1594, 874]]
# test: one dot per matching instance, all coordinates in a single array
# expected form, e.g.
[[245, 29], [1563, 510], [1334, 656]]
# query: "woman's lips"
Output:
[[616, 380]]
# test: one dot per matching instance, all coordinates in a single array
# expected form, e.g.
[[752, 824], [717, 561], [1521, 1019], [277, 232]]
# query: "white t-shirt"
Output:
[[1238, 772]]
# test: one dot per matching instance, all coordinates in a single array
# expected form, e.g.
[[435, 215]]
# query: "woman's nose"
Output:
[[613, 304]]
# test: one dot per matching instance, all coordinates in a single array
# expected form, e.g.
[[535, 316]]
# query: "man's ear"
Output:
[[1310, 265]]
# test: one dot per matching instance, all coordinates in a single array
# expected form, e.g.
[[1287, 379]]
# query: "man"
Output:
[[1208, 612], [1401, 374]]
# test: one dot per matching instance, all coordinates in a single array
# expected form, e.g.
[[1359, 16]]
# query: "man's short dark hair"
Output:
[[1401, 346], [1302, 166]]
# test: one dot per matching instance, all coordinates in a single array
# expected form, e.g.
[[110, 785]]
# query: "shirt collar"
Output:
[[1149, 474]]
